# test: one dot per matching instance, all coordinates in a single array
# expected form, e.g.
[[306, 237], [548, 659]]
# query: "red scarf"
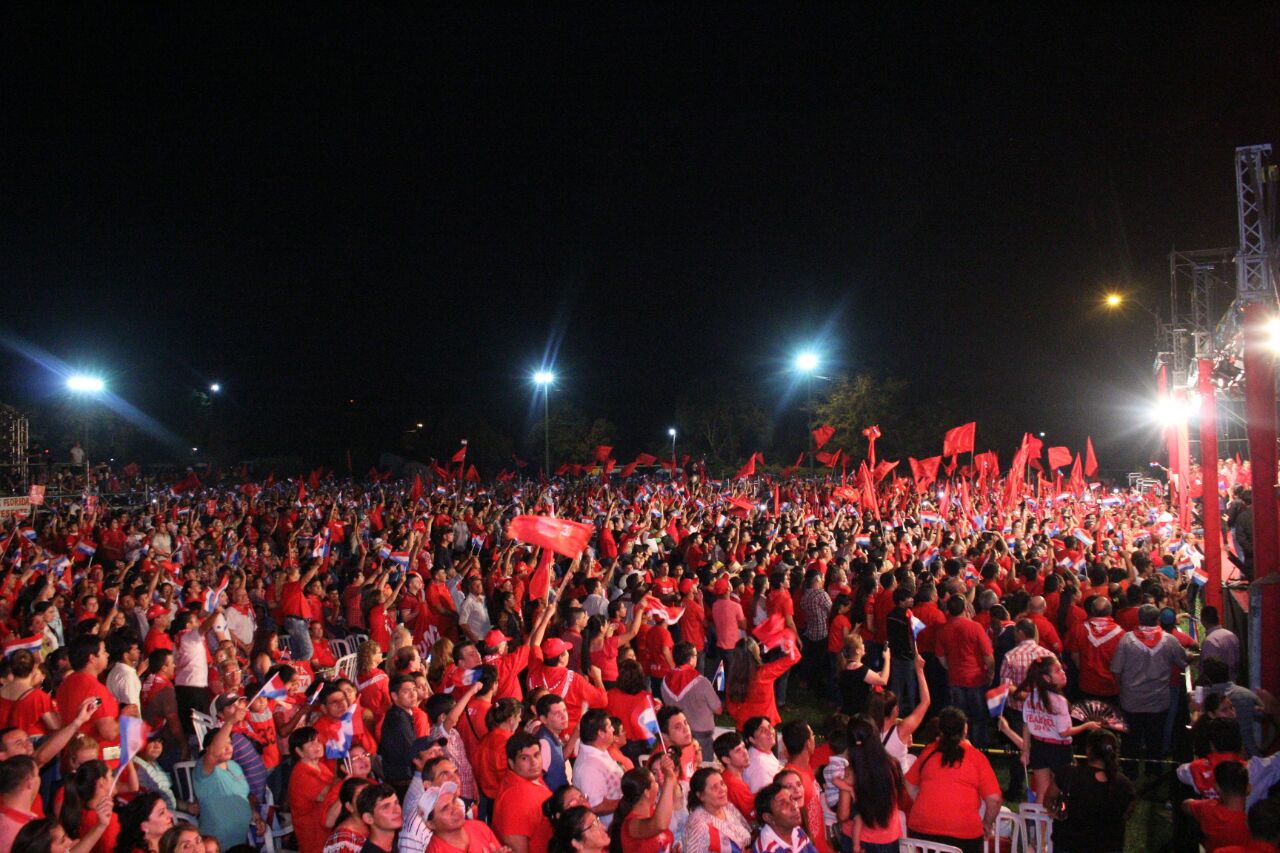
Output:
[[1149, 637], [1101, 629], [679, 679]]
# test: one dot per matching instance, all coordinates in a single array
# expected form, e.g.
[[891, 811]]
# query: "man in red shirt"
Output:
[[547, 669], [517, 814], [965, 650], [88, 657], [1044, 628], [1092, 644], [296, 609], [731, 751]]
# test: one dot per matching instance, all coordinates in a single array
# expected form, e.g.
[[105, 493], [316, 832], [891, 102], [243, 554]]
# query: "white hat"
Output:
[[427, 802]]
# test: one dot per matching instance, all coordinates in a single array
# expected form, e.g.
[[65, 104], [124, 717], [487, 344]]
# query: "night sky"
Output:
[[409, 208]]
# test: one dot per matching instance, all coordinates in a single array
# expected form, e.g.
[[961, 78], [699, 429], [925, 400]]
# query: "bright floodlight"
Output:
[[215, 388], [672, 432], [85, 384], [1114, 300], [807, 362], [1273, 333], [1172, 412], [543, 377]]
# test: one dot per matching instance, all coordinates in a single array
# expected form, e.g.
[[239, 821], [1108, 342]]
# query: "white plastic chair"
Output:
[[200, 722], [339, 648], [346, 667], [1037, 828], [1008, 825], [184, 781], [915, 845]]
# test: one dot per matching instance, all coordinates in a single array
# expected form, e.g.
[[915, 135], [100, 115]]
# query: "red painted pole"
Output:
[[1209, 486], [1260, 410]]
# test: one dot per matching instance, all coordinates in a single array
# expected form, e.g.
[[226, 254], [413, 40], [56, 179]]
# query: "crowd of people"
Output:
[[344, 667]]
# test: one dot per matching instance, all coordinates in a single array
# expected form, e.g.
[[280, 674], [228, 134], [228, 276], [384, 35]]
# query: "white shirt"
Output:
[[191, 659], [125, 685], [473, 616], [598, 776], [761, 769], [241, 626], [596, 605]]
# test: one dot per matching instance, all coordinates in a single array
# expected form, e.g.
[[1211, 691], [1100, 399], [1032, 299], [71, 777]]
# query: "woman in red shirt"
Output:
[[749, 681], [309, 787], [951, 781], [84, 793], [644, 812], [22, 703]]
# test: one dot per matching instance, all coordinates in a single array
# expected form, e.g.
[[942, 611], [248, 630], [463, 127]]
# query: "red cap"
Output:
[[495, 638], [687, 585], [553, 648], [155, 611], [721, 586]]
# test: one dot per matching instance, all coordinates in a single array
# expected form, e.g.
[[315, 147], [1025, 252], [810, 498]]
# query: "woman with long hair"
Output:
[[644, 812], [869, 791], [895, 731], [45, 835], [349, 831], [957, 796], [631, 701], [712, 816], [749, 680], [1101, 798], [578, 830], [142, 823], [88, 789], [182, 839], [1046, 724]]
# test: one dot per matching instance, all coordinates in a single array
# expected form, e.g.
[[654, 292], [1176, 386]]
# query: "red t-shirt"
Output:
[[480, 839], [25, 712], [518, 811], [1221, 826], [1095, 642], [305, 784], [293, 602], [490, 763], [950, 796], [740, 795], [79, 686], [965, 645], [628, 707], [693, 625], [652, 644]]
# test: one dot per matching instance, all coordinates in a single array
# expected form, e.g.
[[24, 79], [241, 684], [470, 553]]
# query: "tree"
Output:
[[574, 435], [908, 424], [725, 424]]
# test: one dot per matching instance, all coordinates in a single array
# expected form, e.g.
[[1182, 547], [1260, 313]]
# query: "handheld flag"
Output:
[[996, 698], [648, 720], [26, 644], [718, 682], [822, 435], [567, 538], [84, 549], [213, 596], [133, 735], [273, 689], [959, 439], [341, 745]]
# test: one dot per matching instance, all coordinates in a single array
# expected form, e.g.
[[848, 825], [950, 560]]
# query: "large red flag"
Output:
[[191, 482], [461, 455], [959, 439], [1059, 457], [987, 465], [645, 459], [1090, 461], [540, 580], [748, 470], [883, 467], [869, 503], [602, 452], [1033, 446], [822, 435], [416, 491], [828, 459], [1077, 478], [561, 535]]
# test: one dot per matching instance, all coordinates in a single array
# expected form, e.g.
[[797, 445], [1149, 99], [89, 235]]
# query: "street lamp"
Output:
[[215, 388], [544, 380], [671, 431], [79, 383], [806, 364]]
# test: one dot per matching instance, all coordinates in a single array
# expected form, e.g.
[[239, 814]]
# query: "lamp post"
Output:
[[671, 431], [543, 379], [806, 364]]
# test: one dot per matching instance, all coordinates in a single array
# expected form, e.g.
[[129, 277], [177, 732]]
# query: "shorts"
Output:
[[1049, 756]]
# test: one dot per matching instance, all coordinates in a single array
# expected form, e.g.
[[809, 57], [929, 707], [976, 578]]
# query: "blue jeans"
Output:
[[299, 638], [973, 701], [902, 681]]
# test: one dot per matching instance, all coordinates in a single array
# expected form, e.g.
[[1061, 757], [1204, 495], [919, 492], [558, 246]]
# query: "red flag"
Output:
[[740, 507], [628, 469], [791, 469], [302, 492], [440, 472], [883, 468], [959, 439], [131, 470], [748, 470], [461, 455], [602, 452], [869, 502], [645, 459], [1090, 461], [1059, 457], [416, 491], [871, 433], [987, 465], [540, 580], [473, 476], [314, 480], [1033, 445], [828, 459], [188, 483], [848, 494], [562, 470], [822, 435], [609, 464], [565, 537], [1077, 478]]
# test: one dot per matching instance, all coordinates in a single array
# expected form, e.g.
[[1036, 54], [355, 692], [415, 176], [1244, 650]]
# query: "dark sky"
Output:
[[410, 207]]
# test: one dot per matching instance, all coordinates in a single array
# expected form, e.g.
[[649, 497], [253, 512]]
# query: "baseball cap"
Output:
[[155, 611], [1168, 616], [225, 700], [422, 744], [554, 647], [427, 802], [494, 638]]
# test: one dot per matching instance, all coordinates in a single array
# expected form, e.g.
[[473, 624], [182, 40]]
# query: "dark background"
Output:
[[410, 209]]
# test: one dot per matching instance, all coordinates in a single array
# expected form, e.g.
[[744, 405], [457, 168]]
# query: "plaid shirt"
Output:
[[815, 604], [1014, 667]]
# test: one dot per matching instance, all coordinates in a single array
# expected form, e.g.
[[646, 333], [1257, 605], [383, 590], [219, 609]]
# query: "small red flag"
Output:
[[959, 439], [562, 470], [602, 452], [461, 455], [565, 537], [1059, 457], [416, 491], [748, 470], [609, 465], [628, 469], [302, 492], [1090, 461], [883, 467], [828, 459], [791, 469], [645, 459], [314, 480], [473, 476], [823, 434]]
